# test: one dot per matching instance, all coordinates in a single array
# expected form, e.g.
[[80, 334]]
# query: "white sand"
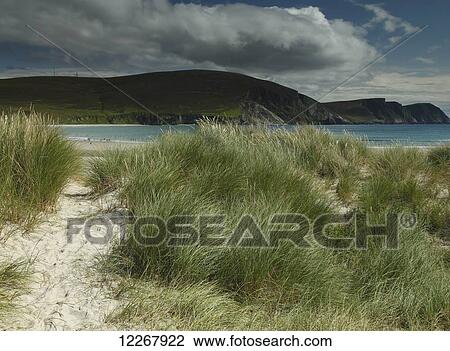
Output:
[[105, 145], [66, 293]]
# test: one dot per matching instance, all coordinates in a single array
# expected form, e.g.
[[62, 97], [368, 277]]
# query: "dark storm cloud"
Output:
[[156, 33]]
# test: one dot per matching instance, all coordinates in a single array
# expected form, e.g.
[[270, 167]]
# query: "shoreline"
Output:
[[97, 146], [123, 125], [101, 145]]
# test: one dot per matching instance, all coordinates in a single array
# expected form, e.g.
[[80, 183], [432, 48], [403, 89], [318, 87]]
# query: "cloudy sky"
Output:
[[311, 46]]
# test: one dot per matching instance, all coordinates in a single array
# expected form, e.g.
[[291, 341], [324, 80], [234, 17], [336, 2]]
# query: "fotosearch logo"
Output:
[[337, 232]]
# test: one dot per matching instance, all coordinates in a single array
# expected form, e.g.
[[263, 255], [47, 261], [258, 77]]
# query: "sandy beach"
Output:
[[98, 146], [65, 292], [95, 146]]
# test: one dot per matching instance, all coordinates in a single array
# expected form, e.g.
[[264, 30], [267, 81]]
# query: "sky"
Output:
[[317, 47]]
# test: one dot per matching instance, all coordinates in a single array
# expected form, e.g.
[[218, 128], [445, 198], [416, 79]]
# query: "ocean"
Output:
[[375, 134]]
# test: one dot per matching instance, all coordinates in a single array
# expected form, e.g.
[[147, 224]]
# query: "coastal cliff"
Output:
[[378, 110]]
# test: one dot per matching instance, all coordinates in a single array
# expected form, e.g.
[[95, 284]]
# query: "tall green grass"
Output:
[[234, 171], [440, 156], [35, 164], [13, 277], [438, 162], [394, 181], [437, 211]]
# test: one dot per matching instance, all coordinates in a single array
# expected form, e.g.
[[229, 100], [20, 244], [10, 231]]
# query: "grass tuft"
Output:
[[35, 164], [13, 277]]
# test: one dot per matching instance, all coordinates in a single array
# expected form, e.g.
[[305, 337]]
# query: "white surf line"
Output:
[[62, 295]]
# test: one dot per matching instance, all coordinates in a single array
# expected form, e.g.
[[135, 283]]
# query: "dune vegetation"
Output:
[[233, 171], [36, 162], [14, 277]]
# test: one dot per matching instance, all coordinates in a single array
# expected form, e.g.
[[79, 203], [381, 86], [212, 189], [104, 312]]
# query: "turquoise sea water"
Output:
[[414, 135]]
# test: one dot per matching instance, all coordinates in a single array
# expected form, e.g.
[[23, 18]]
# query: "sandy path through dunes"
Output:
[[65, 292]]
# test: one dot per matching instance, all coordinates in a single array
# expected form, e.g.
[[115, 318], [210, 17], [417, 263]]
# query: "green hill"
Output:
[[189, 94]]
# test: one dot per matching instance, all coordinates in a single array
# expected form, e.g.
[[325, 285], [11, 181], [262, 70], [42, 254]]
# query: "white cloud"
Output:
[[391, 24], [155, 34], [395, 39], [434, 48], [426, 60]]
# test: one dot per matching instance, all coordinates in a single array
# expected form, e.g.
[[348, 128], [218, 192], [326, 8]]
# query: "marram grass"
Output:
[[36, 162], [13, 278], [235, 171]]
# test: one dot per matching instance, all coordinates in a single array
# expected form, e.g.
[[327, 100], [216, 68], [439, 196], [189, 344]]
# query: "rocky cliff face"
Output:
[[381, 111], [254, 113], [292, 107]]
